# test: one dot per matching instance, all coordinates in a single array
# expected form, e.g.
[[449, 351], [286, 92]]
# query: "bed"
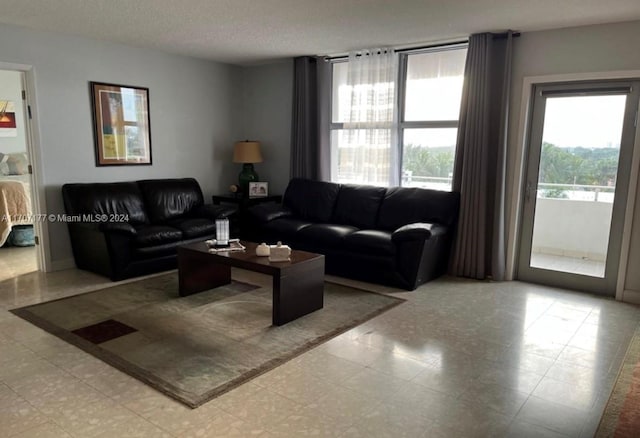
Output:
[[15, 204]]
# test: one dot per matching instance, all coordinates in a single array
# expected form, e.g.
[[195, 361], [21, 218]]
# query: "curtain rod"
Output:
[[431, 46]]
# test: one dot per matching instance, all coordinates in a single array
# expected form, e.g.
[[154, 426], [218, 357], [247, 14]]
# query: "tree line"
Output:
[[579, 165], [422, 161]]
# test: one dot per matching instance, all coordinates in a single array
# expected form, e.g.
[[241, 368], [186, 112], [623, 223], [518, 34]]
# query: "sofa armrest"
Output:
[[214, 212], [98, 250], [267, 212], [118, 227], [85, 226], [417, 231]]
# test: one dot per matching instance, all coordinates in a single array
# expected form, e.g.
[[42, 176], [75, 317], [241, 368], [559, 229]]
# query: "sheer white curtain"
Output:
[[368, 151]]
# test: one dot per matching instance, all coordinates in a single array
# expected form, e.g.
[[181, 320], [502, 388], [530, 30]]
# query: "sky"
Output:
[[588, 121]]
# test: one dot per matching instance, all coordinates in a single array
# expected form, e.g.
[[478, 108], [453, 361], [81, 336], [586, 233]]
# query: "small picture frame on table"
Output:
[[258, 189]]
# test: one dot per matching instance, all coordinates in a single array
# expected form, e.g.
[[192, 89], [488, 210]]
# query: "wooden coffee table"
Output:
[[298, 285]]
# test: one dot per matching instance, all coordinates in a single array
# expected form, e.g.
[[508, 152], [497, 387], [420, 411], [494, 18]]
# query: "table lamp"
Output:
[[247, 152]]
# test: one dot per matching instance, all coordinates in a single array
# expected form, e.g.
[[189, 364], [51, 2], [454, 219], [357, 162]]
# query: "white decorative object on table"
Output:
[[279, 253], [263, 250], [222, 231]]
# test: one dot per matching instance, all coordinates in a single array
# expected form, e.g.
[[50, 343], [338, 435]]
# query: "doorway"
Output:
[[18, 253], [579, 162]]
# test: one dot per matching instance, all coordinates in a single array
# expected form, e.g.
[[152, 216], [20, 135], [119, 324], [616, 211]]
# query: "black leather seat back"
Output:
[[405, 205], [167, 199], [122, 198], [311, 200], [358, 205]]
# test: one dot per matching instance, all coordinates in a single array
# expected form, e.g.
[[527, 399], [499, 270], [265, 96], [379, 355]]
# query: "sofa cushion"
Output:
[[151, 235], [121, 198], [213, 212], [285, 228], [123, 228], [155, 251], [370, 242], [266, 212], [167, 199], [194, 227], [403, 205], [311, 200], [358, 205], [325, 235]]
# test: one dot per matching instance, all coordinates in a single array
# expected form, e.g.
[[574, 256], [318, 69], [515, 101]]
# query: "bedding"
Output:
[[15, 206], [14, 164]]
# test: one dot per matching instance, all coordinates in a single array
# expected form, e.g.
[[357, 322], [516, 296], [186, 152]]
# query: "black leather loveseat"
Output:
[[397, 236], [127, 229]]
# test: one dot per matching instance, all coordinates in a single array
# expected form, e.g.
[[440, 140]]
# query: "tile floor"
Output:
[[460, 358], [16, 261]]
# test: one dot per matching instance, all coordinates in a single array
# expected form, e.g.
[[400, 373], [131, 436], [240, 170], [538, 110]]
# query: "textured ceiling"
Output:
[[256, 31]]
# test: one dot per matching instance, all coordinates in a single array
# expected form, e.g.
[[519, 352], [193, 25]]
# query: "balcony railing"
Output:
[[576, 192], [426, 182], [572, 192]]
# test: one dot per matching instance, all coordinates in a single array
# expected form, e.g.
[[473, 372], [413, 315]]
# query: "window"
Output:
[[414, 148]]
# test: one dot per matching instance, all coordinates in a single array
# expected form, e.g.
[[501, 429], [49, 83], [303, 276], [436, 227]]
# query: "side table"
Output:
[[243, 204]]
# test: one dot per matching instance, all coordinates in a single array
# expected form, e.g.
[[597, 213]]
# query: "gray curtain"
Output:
[[480, 164], [309, 127]]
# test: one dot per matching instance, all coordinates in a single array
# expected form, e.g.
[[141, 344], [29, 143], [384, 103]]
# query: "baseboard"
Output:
[[61, 265], [631, 296]]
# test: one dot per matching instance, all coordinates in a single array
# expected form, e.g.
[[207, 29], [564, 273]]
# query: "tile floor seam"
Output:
[[542, 426], [244, 420], [45, 418], [46, 359], [307, 405], [138, 415], [515, 416]]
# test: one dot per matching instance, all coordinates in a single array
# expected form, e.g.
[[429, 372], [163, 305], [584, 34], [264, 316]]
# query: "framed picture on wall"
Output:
[[121, 124], [8, 119], [258, 189]]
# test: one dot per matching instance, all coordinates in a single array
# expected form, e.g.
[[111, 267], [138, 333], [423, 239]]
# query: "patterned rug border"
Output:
[[613, 408], [171, 390]]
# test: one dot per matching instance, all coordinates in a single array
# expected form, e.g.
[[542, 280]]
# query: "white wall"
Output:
[[190, 108], [586, 49], [264, 113], [571, 228], [11, 89]]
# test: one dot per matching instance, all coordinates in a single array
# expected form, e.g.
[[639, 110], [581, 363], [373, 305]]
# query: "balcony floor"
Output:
[[572, 265]]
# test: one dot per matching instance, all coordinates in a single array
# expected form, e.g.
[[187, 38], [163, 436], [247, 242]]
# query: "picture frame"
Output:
[[258, 189], [121, 124], [8, 126]]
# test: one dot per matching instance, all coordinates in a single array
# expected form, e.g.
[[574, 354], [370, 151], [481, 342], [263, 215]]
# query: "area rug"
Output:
[[621, 417], [197, 347]]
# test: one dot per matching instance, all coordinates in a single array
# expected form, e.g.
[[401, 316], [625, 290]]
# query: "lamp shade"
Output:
[[247, 152]]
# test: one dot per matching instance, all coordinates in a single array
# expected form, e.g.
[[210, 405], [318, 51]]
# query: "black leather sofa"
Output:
[[396, 236], [127, 229]]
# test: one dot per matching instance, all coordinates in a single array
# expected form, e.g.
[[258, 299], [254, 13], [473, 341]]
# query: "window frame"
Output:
[[401, 90]]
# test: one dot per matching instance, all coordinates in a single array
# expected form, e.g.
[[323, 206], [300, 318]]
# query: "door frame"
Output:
[[516, 198], [607, 284], [34, 151]]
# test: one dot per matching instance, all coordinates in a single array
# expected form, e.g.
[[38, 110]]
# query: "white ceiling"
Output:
[[257, 31]]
